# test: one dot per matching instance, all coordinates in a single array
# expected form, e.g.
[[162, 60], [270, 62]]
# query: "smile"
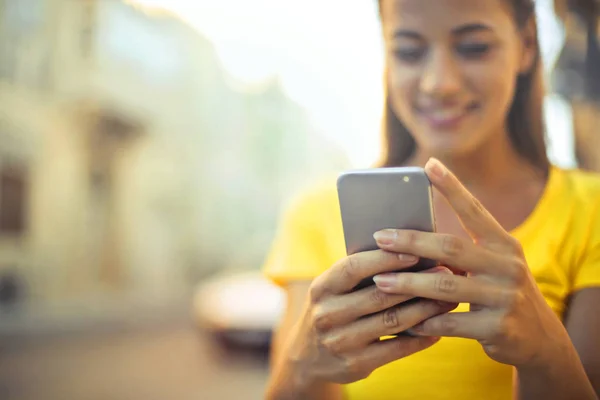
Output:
[[446, 118]]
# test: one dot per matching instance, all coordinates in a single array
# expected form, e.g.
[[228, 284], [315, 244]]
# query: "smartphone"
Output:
[[384, 198]]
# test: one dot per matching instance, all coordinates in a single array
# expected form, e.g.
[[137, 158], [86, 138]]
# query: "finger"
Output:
[[449, 250], [344, 275], [343, 309], [476, 220], [470, 325], [386, 351], [442, 287], [386, 323]]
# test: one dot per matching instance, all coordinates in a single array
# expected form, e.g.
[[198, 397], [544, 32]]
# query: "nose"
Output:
[[441, 77]]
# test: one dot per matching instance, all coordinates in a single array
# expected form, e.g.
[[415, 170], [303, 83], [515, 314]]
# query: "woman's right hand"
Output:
[[337, 338]]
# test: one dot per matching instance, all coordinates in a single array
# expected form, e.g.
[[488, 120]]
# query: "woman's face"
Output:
[[452, 68]]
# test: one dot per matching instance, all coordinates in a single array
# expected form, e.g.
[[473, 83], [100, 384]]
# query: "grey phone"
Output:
[[381, 198]]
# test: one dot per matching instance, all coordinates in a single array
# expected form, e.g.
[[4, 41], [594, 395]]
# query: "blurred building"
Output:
[[128, 163], [576, 75]]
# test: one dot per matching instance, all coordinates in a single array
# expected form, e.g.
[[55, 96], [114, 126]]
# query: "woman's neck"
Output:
[[495, 165]]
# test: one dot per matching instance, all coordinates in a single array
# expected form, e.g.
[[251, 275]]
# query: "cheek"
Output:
[[403, 85], [493, 84], [496, 103]]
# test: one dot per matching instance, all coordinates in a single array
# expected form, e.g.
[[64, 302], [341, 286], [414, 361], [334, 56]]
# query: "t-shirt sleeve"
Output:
[[587, 273], [298, 251]]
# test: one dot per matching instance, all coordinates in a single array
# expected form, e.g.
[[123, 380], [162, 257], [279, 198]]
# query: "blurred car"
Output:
[[239, 309]]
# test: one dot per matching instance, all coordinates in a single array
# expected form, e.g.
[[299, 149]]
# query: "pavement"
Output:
[[166, 359]]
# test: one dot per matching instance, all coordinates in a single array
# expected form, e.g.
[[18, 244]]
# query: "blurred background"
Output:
[[147, 149]]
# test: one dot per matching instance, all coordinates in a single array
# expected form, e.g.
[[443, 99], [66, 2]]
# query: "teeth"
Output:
[[446, 114]]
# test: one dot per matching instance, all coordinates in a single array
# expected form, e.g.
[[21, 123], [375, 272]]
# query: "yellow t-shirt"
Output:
[[561, 239]]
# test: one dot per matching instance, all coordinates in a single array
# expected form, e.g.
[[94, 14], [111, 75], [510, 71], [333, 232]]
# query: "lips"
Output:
[[445, 118]]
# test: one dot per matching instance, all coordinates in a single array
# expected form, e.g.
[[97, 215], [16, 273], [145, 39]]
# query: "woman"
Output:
[[464, 86]]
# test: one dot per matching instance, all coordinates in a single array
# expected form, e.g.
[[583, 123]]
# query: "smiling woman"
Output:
[[464, 101], [489, 42]]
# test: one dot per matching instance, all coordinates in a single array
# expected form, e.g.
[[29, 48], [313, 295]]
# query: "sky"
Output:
[[328, 56]]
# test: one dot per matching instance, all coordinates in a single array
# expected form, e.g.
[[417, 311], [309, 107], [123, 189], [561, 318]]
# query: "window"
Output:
[[13, 200]]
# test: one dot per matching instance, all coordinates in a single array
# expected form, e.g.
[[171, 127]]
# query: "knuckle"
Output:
[[334, 344], [403, 283], [418, 345], [378, 298], [355, 369], [362, 374], [474, 207], [445, 284], [403, 348], [315, 292], [514, 299], [452, 246], [322, 319], [430, 307], [446, 324], [504, 298], [515, 245], [408, 238], [350, 267], [492, 350], [518, 270], [520, 300], [504, 329], [511, 332], [391, 318]]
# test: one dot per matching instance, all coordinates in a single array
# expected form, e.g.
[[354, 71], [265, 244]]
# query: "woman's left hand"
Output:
[[508, 313]]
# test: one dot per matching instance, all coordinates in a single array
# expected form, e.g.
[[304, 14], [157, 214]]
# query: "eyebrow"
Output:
[[461, 30], [470, 28]]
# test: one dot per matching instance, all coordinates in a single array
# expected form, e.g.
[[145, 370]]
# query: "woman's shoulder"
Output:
[[581, 187], [576, 201], [316, 199], [570, 204], [307, 241], [579, 215]]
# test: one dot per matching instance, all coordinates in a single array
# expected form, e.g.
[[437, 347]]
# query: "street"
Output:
[[168, 362]]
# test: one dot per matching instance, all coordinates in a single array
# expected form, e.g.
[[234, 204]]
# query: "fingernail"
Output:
[[384, 280], [437, 270], [386, 237], [435, 168], [407, 257]]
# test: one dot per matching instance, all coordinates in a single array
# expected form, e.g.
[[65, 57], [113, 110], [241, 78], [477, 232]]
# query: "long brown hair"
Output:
[[525, 119]]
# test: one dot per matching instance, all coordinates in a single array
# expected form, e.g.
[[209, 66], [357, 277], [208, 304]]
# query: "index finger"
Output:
[[477, 221], [345, 274]]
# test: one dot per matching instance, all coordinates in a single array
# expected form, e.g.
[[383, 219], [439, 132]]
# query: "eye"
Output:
[[410, 54], [473, 50]]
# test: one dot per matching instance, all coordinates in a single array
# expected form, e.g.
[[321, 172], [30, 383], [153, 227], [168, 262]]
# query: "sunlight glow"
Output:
[[329, 57], [330, 66]]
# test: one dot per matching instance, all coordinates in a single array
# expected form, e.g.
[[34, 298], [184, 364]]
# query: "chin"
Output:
[[441, 145], [444, 153]]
